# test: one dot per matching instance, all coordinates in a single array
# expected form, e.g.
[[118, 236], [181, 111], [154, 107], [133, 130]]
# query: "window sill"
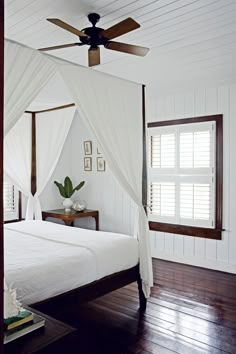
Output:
[[214, 234]]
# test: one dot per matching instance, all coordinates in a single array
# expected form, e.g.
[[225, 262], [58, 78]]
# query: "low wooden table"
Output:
[[69, 217], [55, 334]]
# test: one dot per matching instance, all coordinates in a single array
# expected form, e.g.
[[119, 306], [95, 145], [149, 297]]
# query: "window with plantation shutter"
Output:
[[10, 201], [182, 175]]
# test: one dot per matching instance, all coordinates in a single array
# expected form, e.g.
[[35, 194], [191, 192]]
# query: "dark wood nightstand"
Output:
[[69, 217], [55, 334]]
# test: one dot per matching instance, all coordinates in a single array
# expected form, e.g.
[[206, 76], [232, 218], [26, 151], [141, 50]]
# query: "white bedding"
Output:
[[44, 259]]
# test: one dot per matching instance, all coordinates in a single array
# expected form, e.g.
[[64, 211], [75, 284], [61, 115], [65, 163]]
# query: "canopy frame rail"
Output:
[[52, 109]]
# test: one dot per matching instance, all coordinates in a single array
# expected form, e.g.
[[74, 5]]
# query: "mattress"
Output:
[[43, 259]]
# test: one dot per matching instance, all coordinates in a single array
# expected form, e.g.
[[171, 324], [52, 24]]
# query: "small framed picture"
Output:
[[88, 147], [101, 165], [98, 152], [88, 163]]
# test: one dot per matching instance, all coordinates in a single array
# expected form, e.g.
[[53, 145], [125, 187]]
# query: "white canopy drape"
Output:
[[25, 74], [51, 131], [113, 113], [17, 154], [111, 107]]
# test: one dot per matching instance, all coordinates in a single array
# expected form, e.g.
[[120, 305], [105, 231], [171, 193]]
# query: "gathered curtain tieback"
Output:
[[33, 210]]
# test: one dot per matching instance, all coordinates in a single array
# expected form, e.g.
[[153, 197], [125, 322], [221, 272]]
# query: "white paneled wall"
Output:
[[102, 192], [192, 250]]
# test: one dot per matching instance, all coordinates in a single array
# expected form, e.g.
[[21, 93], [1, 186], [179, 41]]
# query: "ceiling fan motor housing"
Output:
[[94, 38]]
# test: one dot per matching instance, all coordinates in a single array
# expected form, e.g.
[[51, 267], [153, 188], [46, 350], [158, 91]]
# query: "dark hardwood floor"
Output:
[[191, 311]]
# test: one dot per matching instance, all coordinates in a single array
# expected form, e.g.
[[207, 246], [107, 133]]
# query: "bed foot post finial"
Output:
[[142, 298]]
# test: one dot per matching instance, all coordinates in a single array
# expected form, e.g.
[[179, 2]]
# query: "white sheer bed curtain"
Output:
[[112, 109], [51, 132], [17, 154], [26, 71]]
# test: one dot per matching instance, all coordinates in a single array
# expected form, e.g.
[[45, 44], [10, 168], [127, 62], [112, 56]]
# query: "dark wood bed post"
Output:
[[144, 173], [1, 165], [33, 156], [142, 298]]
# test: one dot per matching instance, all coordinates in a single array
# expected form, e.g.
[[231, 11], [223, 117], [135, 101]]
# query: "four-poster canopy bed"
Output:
[[101, 119]]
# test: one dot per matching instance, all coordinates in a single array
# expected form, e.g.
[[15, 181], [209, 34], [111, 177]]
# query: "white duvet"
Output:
[[44, 259]]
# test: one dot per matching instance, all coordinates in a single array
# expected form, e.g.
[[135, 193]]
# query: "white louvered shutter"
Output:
[[10, 201], [182, 174], [163, 199], [163, 151]]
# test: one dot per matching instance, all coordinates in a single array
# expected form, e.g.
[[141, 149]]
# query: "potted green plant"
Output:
[[67, 190]]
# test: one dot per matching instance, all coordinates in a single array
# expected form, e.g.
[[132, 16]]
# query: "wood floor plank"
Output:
[[191, 311], [160, 336], [213, 330], [179, 327], [220, 316]]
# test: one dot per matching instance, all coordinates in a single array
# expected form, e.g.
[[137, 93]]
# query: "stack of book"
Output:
[[25, 322]]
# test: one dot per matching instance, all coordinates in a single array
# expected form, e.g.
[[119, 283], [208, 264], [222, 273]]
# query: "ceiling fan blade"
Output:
[[127, 48], [59, 46], [67, 27], [120, 28], [94, 57]]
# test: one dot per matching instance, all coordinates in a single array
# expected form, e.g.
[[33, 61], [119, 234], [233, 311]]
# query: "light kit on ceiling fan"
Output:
[[95, 37]]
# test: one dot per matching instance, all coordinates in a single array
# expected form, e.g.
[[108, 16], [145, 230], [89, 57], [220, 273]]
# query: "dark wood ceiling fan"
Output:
[[95, 36]]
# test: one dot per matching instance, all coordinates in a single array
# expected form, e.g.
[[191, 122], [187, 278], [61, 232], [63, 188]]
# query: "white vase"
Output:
[[67, 203]]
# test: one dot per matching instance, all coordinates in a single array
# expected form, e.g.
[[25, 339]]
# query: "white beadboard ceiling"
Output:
[[190, 40]]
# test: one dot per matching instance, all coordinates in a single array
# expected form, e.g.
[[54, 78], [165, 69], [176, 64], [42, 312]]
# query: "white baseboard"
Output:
[[209, 264]]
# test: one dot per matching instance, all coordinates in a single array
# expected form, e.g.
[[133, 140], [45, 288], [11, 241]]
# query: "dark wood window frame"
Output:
[[215, 233]]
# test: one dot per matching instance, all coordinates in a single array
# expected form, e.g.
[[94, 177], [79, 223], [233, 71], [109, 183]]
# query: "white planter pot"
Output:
[[67, 203]]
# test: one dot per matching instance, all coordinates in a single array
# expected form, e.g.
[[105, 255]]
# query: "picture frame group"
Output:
[[88, 150]]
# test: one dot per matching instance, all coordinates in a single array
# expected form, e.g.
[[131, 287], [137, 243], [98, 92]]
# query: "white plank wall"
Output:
[[117, 211], [192, 250], [101, 191]]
